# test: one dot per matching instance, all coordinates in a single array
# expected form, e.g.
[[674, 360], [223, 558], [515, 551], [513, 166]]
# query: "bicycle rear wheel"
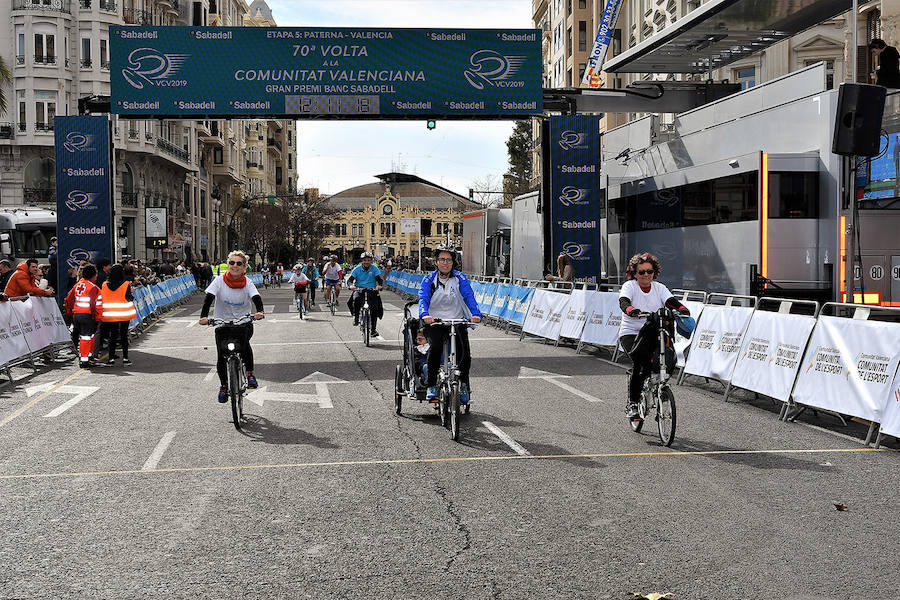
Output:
[[665, 416], [454, 412], [235, 393], [399, 384]]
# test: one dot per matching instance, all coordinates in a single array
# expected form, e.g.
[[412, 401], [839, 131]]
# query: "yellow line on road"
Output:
[[408, 461], [42, 396]]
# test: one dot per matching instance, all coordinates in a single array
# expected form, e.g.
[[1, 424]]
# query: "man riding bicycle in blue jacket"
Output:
[[366, 276]]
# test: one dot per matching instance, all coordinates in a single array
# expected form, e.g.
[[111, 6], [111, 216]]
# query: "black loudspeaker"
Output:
[[857, 125]]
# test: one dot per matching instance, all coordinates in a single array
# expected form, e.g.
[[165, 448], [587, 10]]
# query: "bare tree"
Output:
[[308, 221], [486, 190]]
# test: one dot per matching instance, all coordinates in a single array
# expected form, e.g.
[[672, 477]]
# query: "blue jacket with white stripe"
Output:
[[465, 288]]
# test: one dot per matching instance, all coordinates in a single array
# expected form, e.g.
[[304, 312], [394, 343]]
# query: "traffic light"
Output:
[[431, 124], [471, 195]]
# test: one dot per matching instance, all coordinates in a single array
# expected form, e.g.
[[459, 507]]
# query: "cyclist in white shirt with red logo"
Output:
[[334, 274]]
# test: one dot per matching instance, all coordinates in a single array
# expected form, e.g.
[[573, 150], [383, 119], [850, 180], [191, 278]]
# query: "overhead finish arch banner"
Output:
[[325, 72]]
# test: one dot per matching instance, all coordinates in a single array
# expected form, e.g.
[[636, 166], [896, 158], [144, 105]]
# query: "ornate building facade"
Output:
[[368, 217]]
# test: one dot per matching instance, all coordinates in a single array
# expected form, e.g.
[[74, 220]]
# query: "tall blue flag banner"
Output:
[[591, 77], [575, 192], [83, 193], [322, 72]]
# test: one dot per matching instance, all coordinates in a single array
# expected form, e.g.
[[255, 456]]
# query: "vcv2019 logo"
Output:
[[491, 68], [147, 66], [573, 196], [573, 140], [79, 142], [78, 200], [576, 251]]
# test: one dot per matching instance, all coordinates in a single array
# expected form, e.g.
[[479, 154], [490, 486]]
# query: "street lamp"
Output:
[[245, 208], [216, 202]]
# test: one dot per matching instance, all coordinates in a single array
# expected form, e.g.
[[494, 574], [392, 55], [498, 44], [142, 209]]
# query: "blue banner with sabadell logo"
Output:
[[83, 193], [575, 193]]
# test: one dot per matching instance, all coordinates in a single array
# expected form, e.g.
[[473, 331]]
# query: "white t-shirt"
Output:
[[231, 303], [332, 272], [647, 302], [298, 278]]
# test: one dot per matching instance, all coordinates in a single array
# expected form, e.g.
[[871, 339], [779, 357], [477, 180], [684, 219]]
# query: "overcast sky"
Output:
[[336, 155]]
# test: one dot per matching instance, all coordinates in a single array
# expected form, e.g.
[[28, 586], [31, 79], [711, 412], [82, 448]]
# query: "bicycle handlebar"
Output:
[[239, 321]]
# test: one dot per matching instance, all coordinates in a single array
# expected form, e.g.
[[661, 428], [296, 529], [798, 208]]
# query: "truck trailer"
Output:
[[25, 233], [486, 242]]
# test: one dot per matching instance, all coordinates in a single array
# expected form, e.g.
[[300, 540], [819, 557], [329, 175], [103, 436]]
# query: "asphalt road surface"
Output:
[[133, 483]]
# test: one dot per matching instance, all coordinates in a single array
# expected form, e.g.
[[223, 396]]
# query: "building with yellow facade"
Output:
[[368, 217]]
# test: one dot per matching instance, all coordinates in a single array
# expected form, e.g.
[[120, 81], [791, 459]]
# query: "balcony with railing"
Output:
[[44, 59], [20, 60], [134, 16], [43, 127], [108, 5], [133, 134], [171, 149], [39, 196], [63, 6], [275, 146], [84, 4], [86, 63], [252, 164], [130, 199]]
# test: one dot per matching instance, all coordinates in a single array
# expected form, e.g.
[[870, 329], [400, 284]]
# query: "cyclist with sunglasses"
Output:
[[233, 293], [643, 293]]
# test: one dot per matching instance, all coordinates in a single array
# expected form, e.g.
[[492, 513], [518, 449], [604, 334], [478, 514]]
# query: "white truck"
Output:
[[527, 254], [485, 247], [25, 233]]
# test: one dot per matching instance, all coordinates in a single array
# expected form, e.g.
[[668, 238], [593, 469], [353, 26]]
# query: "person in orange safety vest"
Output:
[[118, 311], [85, 305]]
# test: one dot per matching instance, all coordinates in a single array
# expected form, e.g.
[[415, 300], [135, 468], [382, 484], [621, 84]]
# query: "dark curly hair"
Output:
[[643, 257]]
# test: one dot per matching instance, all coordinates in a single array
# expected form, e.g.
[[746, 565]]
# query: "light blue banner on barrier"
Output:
[[517, 306], [487, 299], [148, 300], [500, 299]]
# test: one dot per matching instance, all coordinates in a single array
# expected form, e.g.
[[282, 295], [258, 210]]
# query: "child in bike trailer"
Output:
[[420, 354]]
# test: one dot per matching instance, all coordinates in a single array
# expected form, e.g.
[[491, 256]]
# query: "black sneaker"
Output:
[[375, 334], [111, 362], [356, 322], [126, 362], [632, 411]]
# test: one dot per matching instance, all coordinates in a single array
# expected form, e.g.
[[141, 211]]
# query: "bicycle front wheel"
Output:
[[665, 416], [444, 404], [235, 393], [454, 412], [331, 303], [364, 321]]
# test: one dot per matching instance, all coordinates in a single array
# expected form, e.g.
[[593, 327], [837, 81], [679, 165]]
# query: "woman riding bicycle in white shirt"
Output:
[[643, 293]]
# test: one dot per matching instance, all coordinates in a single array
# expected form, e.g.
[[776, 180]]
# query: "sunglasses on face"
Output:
[[645, 272], [236, 262]]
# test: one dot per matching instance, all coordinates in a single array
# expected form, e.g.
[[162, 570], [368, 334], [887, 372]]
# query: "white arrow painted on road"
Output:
[[260, 396], [81, 392], [529, 373]]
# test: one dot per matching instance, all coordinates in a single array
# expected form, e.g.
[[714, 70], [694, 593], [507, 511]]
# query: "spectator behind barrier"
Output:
[[25, 281]]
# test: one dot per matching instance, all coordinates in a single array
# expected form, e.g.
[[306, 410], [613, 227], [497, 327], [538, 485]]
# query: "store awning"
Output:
[[721, 32]]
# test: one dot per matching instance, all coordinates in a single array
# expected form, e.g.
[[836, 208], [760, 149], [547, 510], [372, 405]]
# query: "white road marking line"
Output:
[[575, 391], [256, 345], [271, 309], [192, 324], [210, 375], [81, 392], [506, 439], [158, 452]]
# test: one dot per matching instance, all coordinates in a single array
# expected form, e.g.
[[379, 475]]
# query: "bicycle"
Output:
[[236, 373], [448, 380], [365, 314], [657, 395], [330, 299], [298, 298], [265, 280]]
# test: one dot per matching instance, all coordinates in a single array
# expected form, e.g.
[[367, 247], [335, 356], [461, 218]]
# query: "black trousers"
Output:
[[644, 355], [375, 308], [115, 331], [436, 335], [240, 335]]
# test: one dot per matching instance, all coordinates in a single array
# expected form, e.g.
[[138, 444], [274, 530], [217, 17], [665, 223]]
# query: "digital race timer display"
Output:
[[332, 105]]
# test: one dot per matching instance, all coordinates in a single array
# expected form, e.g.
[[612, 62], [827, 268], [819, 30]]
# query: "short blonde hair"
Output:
[[240, 253]]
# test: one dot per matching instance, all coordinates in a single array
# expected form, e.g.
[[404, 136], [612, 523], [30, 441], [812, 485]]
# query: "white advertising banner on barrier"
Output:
[[771, 353], [12, 338], [890, 418], [36, 335], [849, 366], [575, 315], [601, 328], [544, 316], [59, 330], [681, 343], [717, 341]]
